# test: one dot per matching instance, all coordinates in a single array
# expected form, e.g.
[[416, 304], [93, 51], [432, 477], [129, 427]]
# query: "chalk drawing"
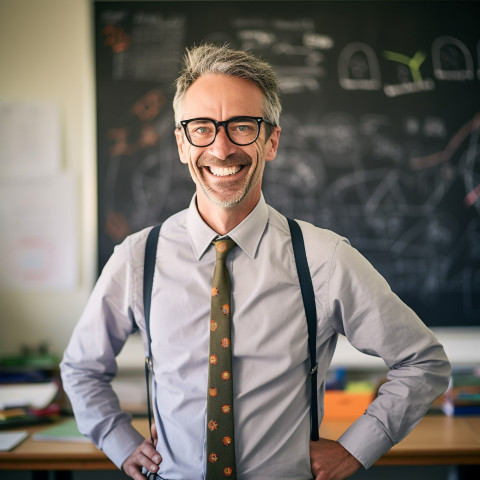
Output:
[[451, 59], [358, 68]]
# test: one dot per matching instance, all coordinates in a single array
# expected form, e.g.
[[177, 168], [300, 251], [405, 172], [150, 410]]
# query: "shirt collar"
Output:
[[246, 235]]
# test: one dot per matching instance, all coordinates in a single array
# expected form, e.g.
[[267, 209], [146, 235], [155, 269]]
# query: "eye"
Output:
[[243, 126], [201, 128]]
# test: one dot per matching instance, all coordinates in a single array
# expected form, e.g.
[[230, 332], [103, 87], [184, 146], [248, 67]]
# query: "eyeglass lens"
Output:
[[241, 131]]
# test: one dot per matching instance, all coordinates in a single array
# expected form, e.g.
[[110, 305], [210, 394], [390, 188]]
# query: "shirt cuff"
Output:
[[366, 440], [121, 442]]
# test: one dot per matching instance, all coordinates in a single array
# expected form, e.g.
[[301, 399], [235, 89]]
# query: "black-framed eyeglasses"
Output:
[[202, 132]]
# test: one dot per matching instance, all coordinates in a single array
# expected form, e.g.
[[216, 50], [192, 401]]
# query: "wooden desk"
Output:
[[437, 440], [45, 455]]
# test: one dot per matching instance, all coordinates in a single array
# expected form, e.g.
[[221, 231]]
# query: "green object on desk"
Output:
[[64, 431]]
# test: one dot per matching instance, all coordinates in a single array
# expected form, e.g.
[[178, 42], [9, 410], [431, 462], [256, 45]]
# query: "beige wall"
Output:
[[46, 52]]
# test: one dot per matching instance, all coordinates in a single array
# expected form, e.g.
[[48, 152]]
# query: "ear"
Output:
[[271, 146], [181, 145]]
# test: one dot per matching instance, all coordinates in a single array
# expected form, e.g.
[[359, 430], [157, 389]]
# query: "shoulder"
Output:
[[317, 240], [132, 249], [316, 236], [323, 247]]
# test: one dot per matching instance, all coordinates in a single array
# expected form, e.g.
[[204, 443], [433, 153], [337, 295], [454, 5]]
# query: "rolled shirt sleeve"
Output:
[[89, 364], [375, 321]]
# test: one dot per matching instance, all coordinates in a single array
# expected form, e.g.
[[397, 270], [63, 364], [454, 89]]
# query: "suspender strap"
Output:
[[308, 297], [148, 271]]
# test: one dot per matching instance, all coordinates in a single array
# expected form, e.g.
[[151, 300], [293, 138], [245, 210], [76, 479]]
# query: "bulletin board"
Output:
[[380, 128]]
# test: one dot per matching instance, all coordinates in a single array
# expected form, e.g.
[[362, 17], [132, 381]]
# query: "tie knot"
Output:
[[223, 247]]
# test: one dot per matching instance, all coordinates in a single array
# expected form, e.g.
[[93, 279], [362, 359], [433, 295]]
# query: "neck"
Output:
[[224, 219]]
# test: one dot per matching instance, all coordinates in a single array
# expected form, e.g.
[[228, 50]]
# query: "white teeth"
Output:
[[225, 171]]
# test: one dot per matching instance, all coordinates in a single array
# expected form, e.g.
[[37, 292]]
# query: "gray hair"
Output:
[[209, 58]]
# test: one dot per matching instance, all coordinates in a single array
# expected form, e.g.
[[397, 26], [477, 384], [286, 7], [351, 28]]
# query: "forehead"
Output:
[[222, 97]]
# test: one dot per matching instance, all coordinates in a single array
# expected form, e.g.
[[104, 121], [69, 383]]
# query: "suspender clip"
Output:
[[314, 370], [148, 363]]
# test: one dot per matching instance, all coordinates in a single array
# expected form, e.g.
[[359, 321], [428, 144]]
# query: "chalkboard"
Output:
[[380, 128]]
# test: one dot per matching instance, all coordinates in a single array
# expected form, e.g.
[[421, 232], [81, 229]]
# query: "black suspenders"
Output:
[[148, 272], [308, 297]]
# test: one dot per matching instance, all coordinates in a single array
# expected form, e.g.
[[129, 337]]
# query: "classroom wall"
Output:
[[46, 52]]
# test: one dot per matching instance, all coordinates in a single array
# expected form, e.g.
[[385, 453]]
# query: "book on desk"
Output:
[[63, 431]]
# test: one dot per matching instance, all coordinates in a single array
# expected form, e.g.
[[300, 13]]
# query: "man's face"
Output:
[[225, 174]]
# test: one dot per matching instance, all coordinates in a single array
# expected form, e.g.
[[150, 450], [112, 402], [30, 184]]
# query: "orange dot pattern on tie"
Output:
[[220, 436]]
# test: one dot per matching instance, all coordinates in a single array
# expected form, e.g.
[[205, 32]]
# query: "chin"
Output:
[[225, 201]]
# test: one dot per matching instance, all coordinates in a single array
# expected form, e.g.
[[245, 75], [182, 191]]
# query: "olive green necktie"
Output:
[[220, 438]]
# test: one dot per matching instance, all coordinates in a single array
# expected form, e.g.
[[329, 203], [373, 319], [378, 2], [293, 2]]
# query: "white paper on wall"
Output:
[[30, 138], [38, 239]]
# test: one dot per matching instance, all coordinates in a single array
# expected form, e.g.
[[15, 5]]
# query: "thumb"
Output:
[[154, 434]]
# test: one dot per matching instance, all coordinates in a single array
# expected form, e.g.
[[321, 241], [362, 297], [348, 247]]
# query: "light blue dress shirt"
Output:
[[269, 339]]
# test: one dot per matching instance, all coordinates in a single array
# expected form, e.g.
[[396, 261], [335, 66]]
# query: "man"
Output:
[[227, 113]]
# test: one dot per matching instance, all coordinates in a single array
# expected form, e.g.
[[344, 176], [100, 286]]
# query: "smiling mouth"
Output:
[[228, 167], [224, 171]]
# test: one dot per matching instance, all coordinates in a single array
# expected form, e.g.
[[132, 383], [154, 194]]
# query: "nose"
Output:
[[222, 147]]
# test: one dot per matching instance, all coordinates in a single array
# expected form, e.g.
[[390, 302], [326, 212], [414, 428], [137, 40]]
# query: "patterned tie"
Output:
[[220, 439]]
